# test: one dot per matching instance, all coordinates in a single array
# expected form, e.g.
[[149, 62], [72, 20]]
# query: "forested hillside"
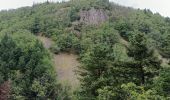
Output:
[[123, 53]]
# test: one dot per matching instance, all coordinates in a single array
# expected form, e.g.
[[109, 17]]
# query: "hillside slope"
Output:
[[120, 53], [65, 64]]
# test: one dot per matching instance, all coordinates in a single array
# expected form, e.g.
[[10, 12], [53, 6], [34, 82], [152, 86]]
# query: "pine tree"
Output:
[[9, 56], [36, 26], [94, 66], [162, 82], [166, 46], [145, 61]]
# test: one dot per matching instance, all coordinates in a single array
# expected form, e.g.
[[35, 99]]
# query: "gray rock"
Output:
[[93, 16]]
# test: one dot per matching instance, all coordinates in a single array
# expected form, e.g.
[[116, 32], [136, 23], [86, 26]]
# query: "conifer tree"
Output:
[[145, 61], [9, 56]]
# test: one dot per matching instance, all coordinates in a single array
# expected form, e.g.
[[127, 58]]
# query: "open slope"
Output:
[[64, 63]]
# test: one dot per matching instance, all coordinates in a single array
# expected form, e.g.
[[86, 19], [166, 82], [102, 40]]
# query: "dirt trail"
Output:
[[47, 42], [64, 63]]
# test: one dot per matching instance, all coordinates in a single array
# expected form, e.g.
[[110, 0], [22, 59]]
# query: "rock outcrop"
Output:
[[93, 16]]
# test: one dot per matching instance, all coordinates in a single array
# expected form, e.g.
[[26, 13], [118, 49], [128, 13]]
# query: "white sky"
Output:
[[161, 6], [12, 4]]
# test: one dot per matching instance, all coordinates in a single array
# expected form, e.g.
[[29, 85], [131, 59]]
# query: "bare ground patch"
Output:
[[47, 42], [64, 63]]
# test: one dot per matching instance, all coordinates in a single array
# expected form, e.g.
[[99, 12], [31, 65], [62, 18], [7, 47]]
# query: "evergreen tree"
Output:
[[162, 82], [166, 46], [36, 26], [94, 67], [134, 92], [9, 57], [145, 61]]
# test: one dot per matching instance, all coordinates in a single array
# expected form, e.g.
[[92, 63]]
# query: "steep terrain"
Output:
[[47, 42], [93, 16], [65, 64], [123, 53]]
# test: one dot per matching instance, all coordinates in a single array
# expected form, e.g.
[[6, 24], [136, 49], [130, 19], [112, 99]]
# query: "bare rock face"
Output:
[[93, 16]]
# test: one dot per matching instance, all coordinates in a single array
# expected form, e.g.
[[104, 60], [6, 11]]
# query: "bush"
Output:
[[67, 42]]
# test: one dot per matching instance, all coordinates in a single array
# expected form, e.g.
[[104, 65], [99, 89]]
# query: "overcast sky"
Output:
[[12, 4], [161, 6]]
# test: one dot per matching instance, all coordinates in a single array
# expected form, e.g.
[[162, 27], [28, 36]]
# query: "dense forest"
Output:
[[124, 53]]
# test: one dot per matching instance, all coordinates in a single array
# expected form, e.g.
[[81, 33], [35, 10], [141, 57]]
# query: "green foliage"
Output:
[[9, 57], [134, 92], [148, 64], [162, 82], [124, 28], [96, 59], [28, 67], [120, 53], [102, 65], [87, 4], [106, 93], [74, 14], [118, 60], [67, 42], [166, 46], [36, 26]]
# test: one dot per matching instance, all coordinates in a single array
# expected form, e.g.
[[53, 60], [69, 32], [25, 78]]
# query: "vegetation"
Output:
[[27, 67], [126, 57]]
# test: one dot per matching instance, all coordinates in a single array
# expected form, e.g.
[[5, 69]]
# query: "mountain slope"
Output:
[[121, 52]]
